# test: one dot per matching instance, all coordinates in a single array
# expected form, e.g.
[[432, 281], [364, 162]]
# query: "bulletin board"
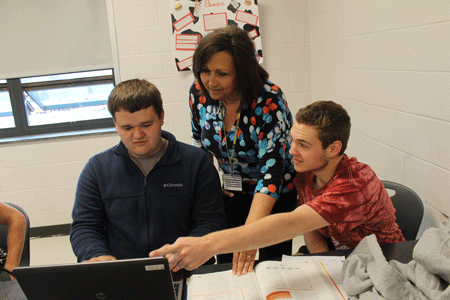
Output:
[[191, 19]]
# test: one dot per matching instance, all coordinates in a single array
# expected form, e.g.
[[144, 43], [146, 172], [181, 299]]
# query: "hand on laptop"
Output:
[[186, 253], [101, 258]]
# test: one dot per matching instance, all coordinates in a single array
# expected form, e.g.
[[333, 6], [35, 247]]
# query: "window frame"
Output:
[[22, 129]]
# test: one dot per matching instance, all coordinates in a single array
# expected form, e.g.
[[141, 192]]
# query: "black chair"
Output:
[[409, 208], [25, 259]]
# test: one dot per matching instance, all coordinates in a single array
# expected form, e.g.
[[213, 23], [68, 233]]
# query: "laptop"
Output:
[[143, 278]]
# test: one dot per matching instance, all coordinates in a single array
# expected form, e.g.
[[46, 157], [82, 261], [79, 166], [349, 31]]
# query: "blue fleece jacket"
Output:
[[120, 212]]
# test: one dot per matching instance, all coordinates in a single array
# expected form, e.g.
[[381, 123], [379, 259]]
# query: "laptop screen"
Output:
[[143, 278]]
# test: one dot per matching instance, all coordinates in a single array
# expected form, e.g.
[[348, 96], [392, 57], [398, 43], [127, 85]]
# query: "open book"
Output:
[[270, 280]]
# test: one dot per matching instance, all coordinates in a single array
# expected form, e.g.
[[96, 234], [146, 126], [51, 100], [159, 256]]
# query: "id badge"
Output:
[[232, 182]]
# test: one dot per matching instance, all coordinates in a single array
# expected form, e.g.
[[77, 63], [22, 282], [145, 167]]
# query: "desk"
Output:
[[401, 252]]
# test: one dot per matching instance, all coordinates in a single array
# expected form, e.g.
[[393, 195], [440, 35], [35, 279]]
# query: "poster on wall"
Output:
[[191, 19]]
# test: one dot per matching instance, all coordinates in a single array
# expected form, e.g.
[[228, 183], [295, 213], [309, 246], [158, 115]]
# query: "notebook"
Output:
[[142, 278]]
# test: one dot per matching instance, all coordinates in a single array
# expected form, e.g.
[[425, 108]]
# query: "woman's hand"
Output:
[[243, 262]]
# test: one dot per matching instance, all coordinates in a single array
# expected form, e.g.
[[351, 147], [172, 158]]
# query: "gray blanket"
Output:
[[369, 276]]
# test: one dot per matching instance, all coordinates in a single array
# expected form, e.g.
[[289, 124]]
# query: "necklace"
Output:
[[232, 106], [231, 181]]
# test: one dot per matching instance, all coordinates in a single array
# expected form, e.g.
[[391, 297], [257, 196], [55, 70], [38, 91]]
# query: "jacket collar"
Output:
[[171, 156]]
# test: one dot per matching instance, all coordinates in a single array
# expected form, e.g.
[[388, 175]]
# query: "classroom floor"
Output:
[[57, 250]]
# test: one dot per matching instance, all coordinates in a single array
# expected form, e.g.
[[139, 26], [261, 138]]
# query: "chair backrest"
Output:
[[409, 208], [25, 259]]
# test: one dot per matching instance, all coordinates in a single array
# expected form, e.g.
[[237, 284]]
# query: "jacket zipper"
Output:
[[147, 214]]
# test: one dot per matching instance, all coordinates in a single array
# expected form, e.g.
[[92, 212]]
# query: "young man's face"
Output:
[[140, 131], [306, 148]]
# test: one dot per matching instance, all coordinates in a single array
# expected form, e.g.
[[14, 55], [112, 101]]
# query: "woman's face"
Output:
[[219, 77]]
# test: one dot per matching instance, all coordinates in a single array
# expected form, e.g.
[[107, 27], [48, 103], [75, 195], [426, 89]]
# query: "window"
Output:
[[55, 103], [6, 115]]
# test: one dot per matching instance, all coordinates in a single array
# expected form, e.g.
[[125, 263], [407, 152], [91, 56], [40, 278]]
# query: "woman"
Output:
[[232, 95]]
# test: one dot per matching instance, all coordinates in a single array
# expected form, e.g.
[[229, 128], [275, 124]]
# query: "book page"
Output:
[[224, 286], [332, 264], [295, 280]]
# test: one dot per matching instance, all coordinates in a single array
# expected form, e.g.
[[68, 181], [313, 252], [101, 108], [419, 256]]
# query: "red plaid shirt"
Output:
[[354, 202]]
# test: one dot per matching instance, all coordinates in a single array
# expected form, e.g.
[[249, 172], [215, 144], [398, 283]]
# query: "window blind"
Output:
[[52, 36]]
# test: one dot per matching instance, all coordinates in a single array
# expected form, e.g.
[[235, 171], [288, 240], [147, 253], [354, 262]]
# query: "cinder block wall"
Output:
[[387, 62]]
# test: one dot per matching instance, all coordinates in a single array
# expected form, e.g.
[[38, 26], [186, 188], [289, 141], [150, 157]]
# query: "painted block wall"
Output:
[[387, 63], [41, 176]]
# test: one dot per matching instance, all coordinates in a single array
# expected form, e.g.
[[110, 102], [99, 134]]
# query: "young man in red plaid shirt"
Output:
[[340, 199]]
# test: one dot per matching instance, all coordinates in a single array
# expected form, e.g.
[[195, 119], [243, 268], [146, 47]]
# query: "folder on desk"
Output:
[[143, 278]]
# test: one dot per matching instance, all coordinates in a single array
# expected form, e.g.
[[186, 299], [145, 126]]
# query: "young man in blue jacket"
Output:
[[146, 191]]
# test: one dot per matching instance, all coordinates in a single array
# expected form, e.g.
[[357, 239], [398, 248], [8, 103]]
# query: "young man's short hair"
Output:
[[134, 95], [330, 119]]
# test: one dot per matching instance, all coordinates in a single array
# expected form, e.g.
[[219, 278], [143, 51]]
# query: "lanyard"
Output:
[[235, 136]]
